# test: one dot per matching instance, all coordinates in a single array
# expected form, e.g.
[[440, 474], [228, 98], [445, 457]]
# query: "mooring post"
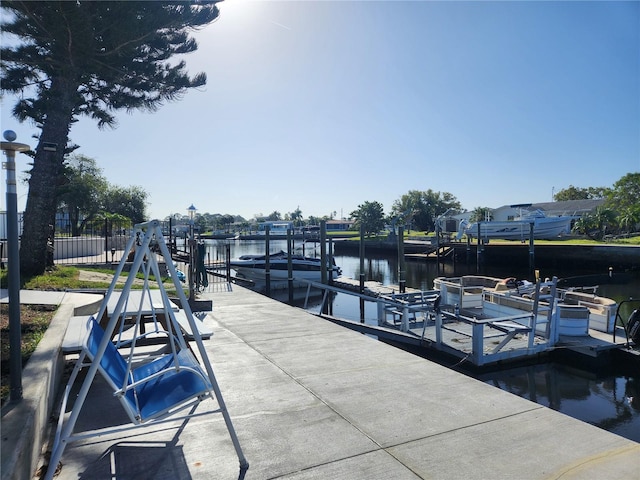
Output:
[[290, 264], [479, 250], [401, 265], [304, 240], [323, 251], [437, 248], [532, 263], [361, 273], [323, 262], [330, 263], [267, 264]]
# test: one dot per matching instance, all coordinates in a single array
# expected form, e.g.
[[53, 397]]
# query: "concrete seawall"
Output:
[[620, 257]]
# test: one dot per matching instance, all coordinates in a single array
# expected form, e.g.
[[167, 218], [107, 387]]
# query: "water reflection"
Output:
[[610, 401]]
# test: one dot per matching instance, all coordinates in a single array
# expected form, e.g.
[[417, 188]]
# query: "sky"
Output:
[[325, 105]]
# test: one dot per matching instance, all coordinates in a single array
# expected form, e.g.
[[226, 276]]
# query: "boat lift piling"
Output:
[[267, 268], [401, 262], [483, 327], [290, 264], [323, 251], [479, 251], [361, 273], [323, 255], [532, 257]]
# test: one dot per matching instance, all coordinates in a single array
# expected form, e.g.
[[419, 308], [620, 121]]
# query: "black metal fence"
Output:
[[103, 242]]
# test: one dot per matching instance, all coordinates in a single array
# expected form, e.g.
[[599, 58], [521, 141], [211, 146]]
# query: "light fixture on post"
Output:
[[192, 261], [13, 257], [192, 212]]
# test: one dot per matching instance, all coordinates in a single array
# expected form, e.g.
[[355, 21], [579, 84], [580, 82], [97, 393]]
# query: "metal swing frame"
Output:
[[177, 369]]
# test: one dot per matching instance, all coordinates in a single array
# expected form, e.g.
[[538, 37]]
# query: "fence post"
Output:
[[106, 240]]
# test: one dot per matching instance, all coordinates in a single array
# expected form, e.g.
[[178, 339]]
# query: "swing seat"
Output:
[[152, 390]]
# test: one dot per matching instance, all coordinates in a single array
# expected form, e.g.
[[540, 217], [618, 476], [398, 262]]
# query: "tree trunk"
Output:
[[43, 182], [74, 220]]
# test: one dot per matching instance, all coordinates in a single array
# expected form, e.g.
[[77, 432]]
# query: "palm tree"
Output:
[[596, 224], [481, 214], [296, 217], [629, 219]]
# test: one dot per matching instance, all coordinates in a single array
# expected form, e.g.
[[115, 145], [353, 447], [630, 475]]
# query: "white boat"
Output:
[[253, 267], [519, 229], [275, 228], [574, 311]]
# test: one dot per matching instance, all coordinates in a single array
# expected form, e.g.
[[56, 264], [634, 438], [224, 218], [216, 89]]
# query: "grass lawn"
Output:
[[34, 320]]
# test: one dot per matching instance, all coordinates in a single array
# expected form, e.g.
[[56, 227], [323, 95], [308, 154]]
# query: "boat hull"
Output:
[[543, 228], [280, 278], [304, 270]]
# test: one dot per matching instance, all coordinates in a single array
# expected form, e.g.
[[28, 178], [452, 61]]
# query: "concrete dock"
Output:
[[312, 400]]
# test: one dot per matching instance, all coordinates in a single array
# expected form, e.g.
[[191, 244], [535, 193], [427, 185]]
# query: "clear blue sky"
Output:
[[325, 105]]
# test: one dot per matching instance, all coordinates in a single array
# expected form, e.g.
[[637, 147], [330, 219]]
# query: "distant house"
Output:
[[279, 227], [339, 225], [570, 208]]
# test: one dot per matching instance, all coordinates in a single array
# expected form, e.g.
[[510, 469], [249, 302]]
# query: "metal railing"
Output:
[[100, 242], [502, 335]]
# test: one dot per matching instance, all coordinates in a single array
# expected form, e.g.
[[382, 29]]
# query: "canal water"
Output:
[[608, 398]]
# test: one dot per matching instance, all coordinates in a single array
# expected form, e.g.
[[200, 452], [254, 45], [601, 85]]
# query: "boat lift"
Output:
[[458, 326]]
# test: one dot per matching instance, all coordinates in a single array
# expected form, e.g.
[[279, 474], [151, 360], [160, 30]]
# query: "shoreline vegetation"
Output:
[[347, 235]]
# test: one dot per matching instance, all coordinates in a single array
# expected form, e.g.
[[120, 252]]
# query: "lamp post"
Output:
[[192, 262], [13, 256]]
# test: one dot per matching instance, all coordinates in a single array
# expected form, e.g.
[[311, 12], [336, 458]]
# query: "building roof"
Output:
[[569, 207]]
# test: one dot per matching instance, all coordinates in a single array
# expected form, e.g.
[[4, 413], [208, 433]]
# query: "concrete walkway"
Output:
[[81, 301], [312, 400]]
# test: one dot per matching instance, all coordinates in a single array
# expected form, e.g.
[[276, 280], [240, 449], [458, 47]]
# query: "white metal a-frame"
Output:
[[147, 238]]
